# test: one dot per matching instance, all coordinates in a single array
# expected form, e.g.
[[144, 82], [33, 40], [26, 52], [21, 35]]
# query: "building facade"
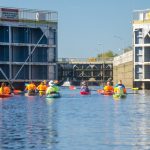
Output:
[[123, 69], [141, 44], [28, 45]]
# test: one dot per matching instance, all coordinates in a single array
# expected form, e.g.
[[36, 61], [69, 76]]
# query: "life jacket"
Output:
[[1, 90], [119, 90], [31, 87], [52, 89], [108, 88], [42, 87], [84, 89], [7, 90]]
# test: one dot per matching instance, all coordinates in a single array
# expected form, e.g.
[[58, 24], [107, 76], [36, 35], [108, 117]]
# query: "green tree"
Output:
[[107, 54]]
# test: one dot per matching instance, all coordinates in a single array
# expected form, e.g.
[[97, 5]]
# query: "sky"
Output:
[[88, 27]]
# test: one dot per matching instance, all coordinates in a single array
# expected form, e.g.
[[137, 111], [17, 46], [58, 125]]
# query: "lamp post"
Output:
[[100, 44], [122, 40]]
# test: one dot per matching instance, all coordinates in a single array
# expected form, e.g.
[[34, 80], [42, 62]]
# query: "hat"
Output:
[[51, 83], [84, 83]]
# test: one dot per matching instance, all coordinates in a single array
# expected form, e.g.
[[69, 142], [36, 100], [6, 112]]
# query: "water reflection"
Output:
[[75, 122], [28, 123]]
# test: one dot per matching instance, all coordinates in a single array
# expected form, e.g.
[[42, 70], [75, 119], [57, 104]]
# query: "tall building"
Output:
[[141, 44], [28, 45]]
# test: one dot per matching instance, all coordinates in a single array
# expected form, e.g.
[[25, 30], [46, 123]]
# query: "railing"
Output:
[[85, 60], [14, 14], [141, 15]]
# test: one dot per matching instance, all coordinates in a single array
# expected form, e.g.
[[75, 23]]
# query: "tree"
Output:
[[107, 54]]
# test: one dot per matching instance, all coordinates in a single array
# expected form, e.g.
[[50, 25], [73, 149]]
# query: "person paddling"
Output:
[[2, 88], [42, 89], [31, 88], [119, 86], [52, 88], [108, 87], [84, 86]]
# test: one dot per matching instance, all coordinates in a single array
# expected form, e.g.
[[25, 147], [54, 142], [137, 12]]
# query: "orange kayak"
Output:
[[105, 92]]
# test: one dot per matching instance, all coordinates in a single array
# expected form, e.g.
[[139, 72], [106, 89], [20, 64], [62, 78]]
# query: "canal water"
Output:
[[75, 122]]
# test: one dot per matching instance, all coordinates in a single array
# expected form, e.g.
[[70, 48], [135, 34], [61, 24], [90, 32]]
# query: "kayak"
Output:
[[107, 93], [135, 88], [31, 93], [5, 95], [53, 95], [17, 92], [119, 95], [41, 93], [84, 93]]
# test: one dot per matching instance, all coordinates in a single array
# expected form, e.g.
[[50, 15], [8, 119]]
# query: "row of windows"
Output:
[[26, 35]]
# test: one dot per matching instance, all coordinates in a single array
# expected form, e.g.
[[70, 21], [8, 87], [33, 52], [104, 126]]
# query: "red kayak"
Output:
[[5, 95], [17, 92], [84, 93]]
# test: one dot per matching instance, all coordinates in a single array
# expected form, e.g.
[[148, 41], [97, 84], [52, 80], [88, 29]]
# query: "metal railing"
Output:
[[85, 60], [10, 14], [141, 15]]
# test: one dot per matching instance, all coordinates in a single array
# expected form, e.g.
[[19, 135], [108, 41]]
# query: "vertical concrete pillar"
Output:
[[10, 53], [30, 74]]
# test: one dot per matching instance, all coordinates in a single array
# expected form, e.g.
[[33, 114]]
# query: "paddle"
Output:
[[132, 93]]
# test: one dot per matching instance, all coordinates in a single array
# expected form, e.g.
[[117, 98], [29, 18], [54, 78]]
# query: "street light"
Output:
[[122, 40], [100, 44], [103, 73]]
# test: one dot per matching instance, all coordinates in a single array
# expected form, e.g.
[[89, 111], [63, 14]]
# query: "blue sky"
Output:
[[88, 27]]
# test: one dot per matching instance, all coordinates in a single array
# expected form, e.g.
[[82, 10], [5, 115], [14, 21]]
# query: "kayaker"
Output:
[[7, 89], [52, 88], [31, 88], [108, 87], [2, 88], [119, 90], [121, 85], [84, 86], [42, 88]]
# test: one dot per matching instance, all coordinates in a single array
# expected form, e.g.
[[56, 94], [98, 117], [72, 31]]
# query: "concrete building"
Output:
[[123, 69], [141, 43], [28, 45]]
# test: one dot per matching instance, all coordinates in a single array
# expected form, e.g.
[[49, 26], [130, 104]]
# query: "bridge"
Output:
[[96, 71]]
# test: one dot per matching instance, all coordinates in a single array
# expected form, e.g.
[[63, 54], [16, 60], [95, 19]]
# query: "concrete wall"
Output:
[[123, 69]]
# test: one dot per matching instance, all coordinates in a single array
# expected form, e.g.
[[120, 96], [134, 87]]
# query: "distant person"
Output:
[[7, 89], [119, 85], [52, 88], [42, 89], [84, 86], [31, 88], [2, 88], [108, 87]]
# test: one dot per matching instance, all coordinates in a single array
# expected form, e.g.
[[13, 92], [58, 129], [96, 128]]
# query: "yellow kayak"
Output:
[[135, 88]]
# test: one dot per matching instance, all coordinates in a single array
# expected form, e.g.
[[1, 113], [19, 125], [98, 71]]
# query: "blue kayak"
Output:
[[53, 95]]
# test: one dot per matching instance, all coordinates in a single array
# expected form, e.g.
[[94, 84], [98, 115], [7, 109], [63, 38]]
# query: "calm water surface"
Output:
[[75, 122]]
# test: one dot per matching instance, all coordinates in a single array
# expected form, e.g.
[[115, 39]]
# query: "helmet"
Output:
[[84, 83], [51, 83]]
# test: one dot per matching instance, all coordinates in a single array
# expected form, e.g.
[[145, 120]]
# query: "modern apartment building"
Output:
[[141, 44], [28, 45]]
